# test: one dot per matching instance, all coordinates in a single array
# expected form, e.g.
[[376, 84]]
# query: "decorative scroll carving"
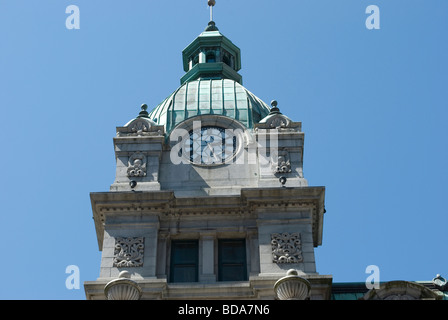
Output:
[[129, 252], [278, 121], [140, 127], [280, 162], [137, 165], [286, 247]]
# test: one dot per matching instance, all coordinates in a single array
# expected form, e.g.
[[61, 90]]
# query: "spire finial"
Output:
[[143, 113], [274, 108], [211, 4]]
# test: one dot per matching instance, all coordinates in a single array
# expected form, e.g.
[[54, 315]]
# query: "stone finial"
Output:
[[274, 108], [143, 113], [292, 272], [292, 287], [123, 288], [440, 282], [124, 274]]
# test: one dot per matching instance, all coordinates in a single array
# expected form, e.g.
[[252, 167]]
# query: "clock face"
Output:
[[211, 146]]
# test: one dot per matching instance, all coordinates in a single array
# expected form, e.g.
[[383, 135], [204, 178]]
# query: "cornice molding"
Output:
[[251, 202]]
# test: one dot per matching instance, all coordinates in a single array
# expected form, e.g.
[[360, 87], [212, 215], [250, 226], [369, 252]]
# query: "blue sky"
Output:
[[372, 105]]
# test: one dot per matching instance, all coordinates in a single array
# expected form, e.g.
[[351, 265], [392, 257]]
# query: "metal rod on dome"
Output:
[[211, 4]]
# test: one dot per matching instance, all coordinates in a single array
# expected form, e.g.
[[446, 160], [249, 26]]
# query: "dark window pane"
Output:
[[233, 273], [232, 260], [184, 261], [184, 274], [210, 58]]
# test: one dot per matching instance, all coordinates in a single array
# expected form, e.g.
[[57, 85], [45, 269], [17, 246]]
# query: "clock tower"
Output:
[[209, 199]]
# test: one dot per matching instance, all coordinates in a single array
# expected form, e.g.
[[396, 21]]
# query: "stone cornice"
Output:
[[164, 204], [255, 288]]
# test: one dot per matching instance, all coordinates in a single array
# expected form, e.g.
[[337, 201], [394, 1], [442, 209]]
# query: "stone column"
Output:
[[254, 254], [202, 57], [161, 269], [207, 256]]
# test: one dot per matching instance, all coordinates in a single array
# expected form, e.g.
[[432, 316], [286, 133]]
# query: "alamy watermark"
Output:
[[73, 280], [73, 20], [373, 280], [373, 20]]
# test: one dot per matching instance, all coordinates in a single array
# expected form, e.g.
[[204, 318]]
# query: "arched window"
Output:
[[210, 57]]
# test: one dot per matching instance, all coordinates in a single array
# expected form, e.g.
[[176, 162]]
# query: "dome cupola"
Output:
[[211, 84], [211, 56]]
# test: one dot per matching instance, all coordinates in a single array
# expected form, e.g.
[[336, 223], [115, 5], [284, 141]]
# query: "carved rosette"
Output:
[[286, 247], [129, 252]]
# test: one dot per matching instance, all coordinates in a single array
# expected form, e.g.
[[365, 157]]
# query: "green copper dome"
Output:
[[211, 85], [210, 96]]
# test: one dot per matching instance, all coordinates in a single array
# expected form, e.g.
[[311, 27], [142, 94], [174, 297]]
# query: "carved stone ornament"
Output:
[[402, 290], [292, 287], [140, 127], [129, 252], [278, 122], [286, 247], [440, 282], [137, 165], [280, 162], [123, 288]]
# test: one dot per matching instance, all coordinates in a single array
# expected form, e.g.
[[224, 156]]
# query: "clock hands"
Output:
[[210, 146], [211, 150]]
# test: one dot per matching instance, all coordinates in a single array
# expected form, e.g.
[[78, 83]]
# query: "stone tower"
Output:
[[209, 199]]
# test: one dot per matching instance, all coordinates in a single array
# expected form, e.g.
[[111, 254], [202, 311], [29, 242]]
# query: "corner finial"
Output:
[[274, 108], [143, 113]]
